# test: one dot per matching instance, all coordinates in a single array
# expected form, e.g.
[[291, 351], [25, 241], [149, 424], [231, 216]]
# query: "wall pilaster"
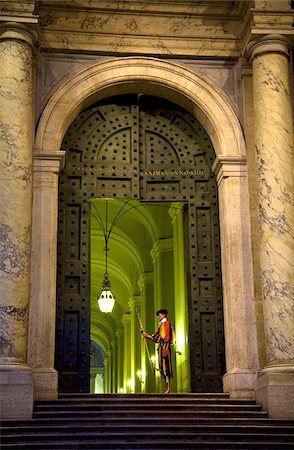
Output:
[[114, 366], [273, 127], [120, 359], [237, 277], [41, 343], [135, 305], [16, 142], [163, 259], [127, 367], [146, 285], [181, 324]]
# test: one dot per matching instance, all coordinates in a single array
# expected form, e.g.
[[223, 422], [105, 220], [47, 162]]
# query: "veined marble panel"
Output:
[[275, 162], [16, 193]]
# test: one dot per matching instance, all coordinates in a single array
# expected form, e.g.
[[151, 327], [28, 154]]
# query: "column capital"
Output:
[[19, 31], [175, 209], [162, 245], [229, 166], [135, 301], [271, 43], [114, 344], [119, 333], [146, 277], [49, 161], [126, 319]]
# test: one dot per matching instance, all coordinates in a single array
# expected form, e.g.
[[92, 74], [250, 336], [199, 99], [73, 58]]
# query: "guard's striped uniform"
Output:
[[164, 337]]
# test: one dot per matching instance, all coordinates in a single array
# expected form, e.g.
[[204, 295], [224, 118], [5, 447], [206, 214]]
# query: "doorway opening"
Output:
[[141, 149], [143, 244]]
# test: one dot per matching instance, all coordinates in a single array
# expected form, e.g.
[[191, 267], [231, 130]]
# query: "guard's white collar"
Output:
[[163, 320]]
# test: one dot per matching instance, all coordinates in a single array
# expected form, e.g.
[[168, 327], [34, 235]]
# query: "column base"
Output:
[[16, 385], [275, 391], [45, 384], [240, 383]]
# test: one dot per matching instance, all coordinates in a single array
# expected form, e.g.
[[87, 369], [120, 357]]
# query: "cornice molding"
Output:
[[174, 29], [22, 11], [268, 21]]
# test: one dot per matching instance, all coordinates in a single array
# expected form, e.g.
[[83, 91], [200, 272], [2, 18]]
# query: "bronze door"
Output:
[[148, 149]]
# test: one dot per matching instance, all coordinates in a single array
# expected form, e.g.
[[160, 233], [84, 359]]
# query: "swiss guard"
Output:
[[164, 337]]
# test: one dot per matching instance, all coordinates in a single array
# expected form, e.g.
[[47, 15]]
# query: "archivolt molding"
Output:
[[143, 75]]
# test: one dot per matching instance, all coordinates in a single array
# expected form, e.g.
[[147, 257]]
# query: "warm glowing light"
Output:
[[140, 376], [106, 301], [180, 343]]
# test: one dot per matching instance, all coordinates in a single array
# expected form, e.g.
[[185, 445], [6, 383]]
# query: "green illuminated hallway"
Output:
[[146, 268]]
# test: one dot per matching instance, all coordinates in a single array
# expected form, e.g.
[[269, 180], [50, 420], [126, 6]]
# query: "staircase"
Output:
[[155, 421]]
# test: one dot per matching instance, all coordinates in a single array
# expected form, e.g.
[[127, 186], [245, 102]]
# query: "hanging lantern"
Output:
[[106, 299]]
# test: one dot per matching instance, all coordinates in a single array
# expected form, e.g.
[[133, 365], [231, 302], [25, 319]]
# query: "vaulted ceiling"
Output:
[[134, 229]]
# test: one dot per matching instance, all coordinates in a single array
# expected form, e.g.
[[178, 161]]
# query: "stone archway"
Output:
[[214, 112]]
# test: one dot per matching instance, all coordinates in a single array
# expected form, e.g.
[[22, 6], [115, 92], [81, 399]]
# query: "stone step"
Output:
[[194, 396], [147, 422], [142, 401], [144, 407], [165, 421], [147, 413], [177, 444], [37, 429]]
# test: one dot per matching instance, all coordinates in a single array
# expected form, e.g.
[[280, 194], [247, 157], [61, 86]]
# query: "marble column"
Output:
[[16, 143], [273, 125], [41, 341]]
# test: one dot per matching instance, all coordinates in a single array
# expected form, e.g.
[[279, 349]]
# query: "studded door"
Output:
[[139, 147]]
